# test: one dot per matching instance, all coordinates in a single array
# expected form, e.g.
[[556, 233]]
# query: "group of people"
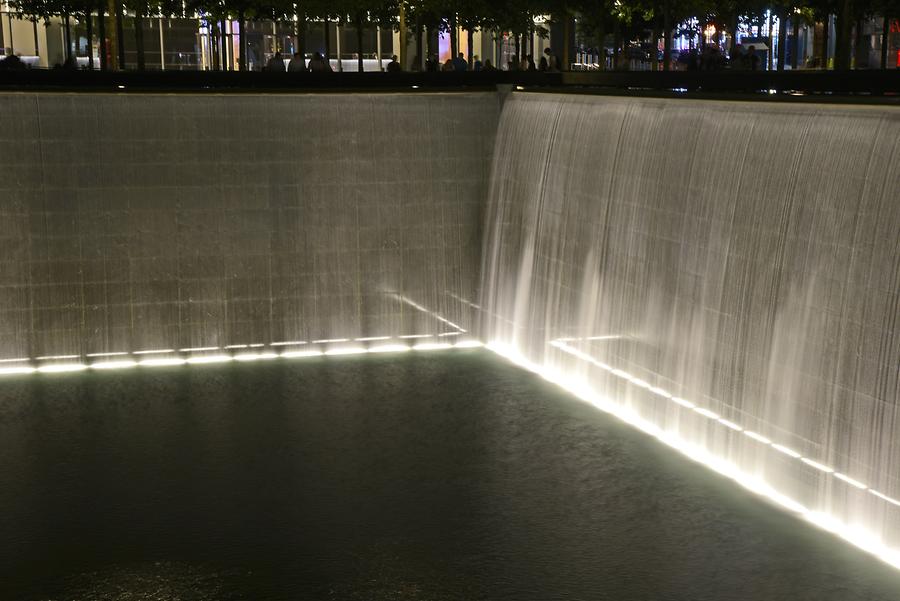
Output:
[[319, 64]]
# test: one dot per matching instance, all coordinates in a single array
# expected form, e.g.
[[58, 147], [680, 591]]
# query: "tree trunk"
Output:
[[139, 40], [89, 22], [101, 35], [861, 50], [601, 43], [617, 43], [301, 33], [120, 36], [782, 39], [795, 55], [454, 43], [420, 46], [844, 30], [825, 28], [327, 31], [654, 55], [68, 36], [242, 39], [518, 50], [885, 39], [359, 44], [470, 47], [667, 39], [734, 36]]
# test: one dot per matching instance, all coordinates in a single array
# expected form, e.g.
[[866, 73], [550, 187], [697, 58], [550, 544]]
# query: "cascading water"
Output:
[[724, 274]]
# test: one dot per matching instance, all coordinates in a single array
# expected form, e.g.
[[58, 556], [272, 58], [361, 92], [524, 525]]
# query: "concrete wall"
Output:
[[135, 222]]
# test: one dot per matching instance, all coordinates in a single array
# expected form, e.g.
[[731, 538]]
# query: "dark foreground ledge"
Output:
[[846, 83]]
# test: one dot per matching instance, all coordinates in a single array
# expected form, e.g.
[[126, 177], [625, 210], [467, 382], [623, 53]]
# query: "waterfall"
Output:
[[725, 274]]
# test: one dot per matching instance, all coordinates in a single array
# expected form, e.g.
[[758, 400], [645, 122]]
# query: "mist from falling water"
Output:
[[725, 275]]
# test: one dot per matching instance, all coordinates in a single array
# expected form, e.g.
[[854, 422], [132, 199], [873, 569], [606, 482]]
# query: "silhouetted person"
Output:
[[488, 66], [552, 60], [394, 65], [448, 66], [275, 64], [318, 64], [542, 65], [12, 63], [297, 64], [460, 63], [476, 64], [512, 65], [752, 58], [529, 62]]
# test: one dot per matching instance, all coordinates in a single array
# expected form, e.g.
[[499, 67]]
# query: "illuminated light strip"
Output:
[[10, 371], [234, 346], [731, 425], [469, 344], [389, 348], [682, 402], [415, 305], [856, 536], [757, 437], [706, 413], [850, 481], [817, 465], [371, 338], [14, 360], [256, 356], [154, 351], [52, 357], [110, 354], [204, 359], [162, 362], [432, 346], [61, 368], [198, 349], [289, 343], [358, 350], [299, 354], [450, 334], [113, 365], [786, 451], [409, 336], [331, 340], [256, 345], [884, 497]]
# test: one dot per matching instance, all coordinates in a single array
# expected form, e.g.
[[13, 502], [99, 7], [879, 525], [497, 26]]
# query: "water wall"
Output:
[[723, 274], [153, 222]]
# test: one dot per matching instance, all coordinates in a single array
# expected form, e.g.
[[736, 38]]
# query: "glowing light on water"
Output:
[[301, 354], [10, 371], [389, 348], [113, 365], [469, 344], [161, 362], [579, 388], [256, 356], [204, 359], [352, 350], [432, 346], [56, 368]]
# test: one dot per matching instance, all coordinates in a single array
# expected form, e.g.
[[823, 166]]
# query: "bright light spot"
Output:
[[256, 345], [731, 425], [155, 351], [408, 336], [757, 437], [850, 480], [520, 88], [289, 343], [300, 354], [450, 334], [161, 362], [52, 357], [469, 344], [235, 346], [13, 360], [113, 365], [9, 371], [816, 465], [432, 346], [389, 348], [372, 338], [786, 451], [330, 340], [203, 359], [706, 413], [199, 349], [61, 368], [885, 497], [112, 354], [255, 356], [352, 350], [660, 392]]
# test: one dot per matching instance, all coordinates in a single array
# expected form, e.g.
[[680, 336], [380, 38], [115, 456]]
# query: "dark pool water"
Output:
[[446, 475]]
